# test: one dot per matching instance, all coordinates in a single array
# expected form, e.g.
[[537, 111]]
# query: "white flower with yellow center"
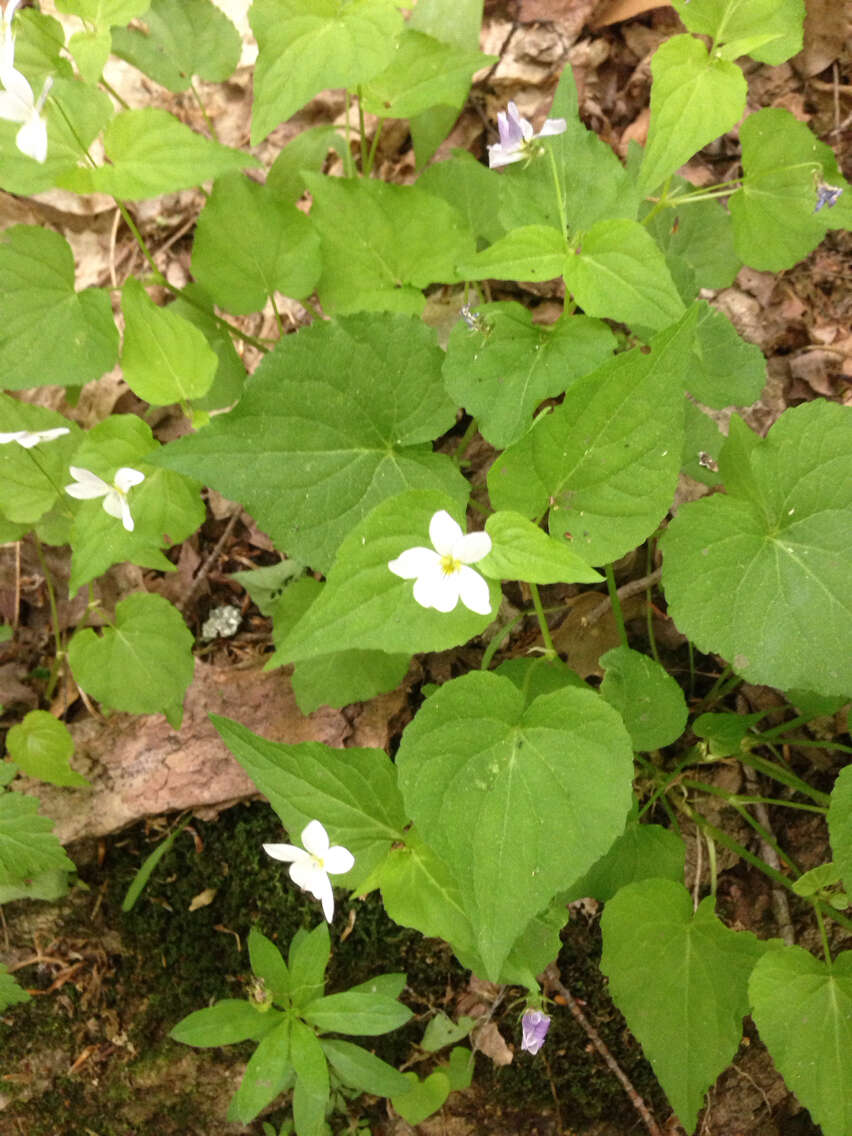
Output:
[[441, 574], [311, 866], [86, 486]]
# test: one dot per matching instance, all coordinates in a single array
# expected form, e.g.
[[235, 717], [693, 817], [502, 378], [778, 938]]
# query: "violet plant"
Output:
[[339, 444]]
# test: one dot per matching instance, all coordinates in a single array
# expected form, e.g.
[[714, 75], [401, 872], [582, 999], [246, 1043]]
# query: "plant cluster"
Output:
[[516, 787]]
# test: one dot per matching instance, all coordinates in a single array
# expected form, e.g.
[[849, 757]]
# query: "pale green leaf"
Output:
[[697, 235], [249, 244], [104, 13], [381, 243], [142, 663], [646, 696], [606, 461], [423, 1097], [365, 1009], [306, 151], [30, 480], [547, 789], [164, 358], [181, 38], [37, 281], [680, 979], [11, 993], [309, 1061], [522, 551], [308, 958], [501, 375], [227, 1022], [42, 746], [91, 51], [760, 575], [365, 606], [352, 792], [362, 1070], [28, 846], [726, 21], [307, 46], [803, 1009], [618, 272], [323, 434], [531, 252], [695, 97], [150, 153], [425, 73], [725, 369], [470, 188], [642, 852], [268, 1073], [269, 966]]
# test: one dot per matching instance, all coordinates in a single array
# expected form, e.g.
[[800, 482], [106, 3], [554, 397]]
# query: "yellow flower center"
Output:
[[449, 564]]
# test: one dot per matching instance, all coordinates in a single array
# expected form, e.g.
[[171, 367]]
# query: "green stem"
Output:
[[774, 732], [465, 442], [662, 203], [494, 646], [278, 319], [203, 110], [348, 164], [618, 615], [362, 131], [560, 201], [821, 924], [711, 696], [112, 91], [371, 157], [549, 650], [54, 619], [58, 489], [783, 775], [763, 833]]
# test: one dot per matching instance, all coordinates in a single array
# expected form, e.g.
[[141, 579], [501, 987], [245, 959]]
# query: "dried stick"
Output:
[[780, 906], [632, 588], [554, 982], [203, 571]]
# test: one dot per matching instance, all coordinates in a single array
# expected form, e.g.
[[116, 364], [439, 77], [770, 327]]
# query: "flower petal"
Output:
[[444, 532], [285, 852], [315, 839], [326, 896], [86, 485], [473, 591], [472, 547], [113, 504], [306, 875], [12, 109], [338, 860], [414, 562], [31, 139], [553, 126], [126, 516], [497, 156], [438, 590], [126, 477]]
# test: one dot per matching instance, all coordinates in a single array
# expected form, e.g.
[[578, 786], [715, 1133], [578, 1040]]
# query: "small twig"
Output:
[[204, 570], [631, 588], [554, 982]]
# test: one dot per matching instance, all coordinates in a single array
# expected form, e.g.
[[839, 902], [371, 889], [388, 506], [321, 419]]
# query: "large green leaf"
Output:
[[680, 979], [269, 966], [366, 1010], [164, 358], [352, 792], [150, 153], [37, 283], [28, 846], [606, 461], [41, 746], [696, 237], [619, 272], [362, 1070], [760, 575], [366, 607], [529, 252], [546, 790], [470, 188], [11, 994], [309, 954], [725, 370], [229, 1021], [521, 550], [337, 679], [382, 243], [775, 223], [779, 22], [181, 38], [250, 243], [502, 374], [142, 663], [803, 1009], [646, 696], [642, 852], [323, 432], [309, 1062], [267, 1074], [840, 825], [695, 97], [30, 482], [307, 46], [425, 73]]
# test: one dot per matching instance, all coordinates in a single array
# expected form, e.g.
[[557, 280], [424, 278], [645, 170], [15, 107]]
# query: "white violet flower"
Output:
[[87, 485], [28, 439], [441, 574], [17, 101], [517, 137], [311, 866]]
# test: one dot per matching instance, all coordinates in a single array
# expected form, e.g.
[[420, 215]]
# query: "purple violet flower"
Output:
[[534, 1025], [517, 135], [827, 196]]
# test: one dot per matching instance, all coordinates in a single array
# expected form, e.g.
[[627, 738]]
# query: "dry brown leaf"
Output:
[[490, 1041], [203, 899], [825, 36], [619, 10]]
